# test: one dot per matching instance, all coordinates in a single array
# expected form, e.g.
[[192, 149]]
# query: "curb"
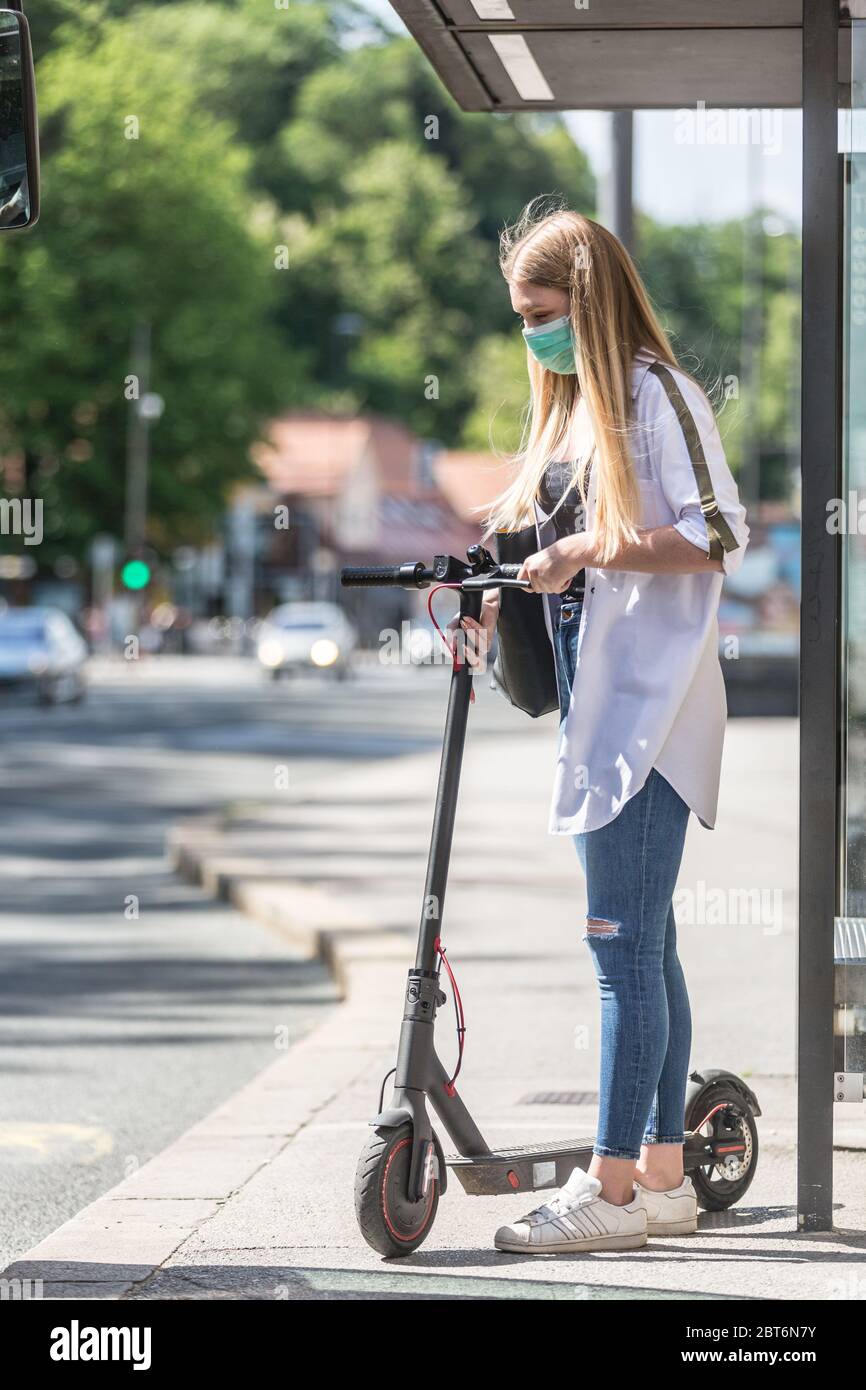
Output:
[[315, 920]]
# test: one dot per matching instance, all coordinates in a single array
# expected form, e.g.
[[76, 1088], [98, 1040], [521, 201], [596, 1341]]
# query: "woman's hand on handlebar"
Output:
[[477, 637], [551, 570]]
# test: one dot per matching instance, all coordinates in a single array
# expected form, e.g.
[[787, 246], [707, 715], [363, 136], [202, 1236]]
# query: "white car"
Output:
[[306, 636], [41, 654]]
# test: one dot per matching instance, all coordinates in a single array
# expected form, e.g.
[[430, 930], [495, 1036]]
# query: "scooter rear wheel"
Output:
[[720, 1185], [388, 1220]]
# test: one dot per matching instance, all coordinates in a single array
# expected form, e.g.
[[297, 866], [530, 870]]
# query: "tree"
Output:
[[500, 386], [398, 206], [148, 214], [695, 276]]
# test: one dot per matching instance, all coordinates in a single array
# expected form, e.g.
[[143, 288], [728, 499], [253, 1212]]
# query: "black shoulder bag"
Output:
[[525, 668]]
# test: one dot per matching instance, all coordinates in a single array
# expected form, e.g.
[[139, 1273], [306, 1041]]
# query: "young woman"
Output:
[[637, 518]]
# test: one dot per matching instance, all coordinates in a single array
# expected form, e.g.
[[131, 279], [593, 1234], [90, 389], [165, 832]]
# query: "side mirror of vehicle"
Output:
[[19, 135]]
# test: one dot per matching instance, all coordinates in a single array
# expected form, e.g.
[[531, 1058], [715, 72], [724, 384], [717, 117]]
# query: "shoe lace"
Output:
[[559, 1204]]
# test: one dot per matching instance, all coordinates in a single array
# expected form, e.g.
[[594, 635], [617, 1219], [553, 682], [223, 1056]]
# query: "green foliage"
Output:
[[400, 201], [162, 227], [500, 387], [401, 253], [696, 276]]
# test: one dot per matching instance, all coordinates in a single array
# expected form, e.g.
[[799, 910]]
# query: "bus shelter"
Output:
[[624, 55]]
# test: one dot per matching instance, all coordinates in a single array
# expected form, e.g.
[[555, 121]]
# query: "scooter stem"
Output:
[[459, 696]]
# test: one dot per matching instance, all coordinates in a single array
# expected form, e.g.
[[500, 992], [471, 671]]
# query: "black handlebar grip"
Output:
[[407, 576], [509, 571], [369, 574]]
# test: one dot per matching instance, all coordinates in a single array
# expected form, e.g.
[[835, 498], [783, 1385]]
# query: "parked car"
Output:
[[41, 655], [306, 636]]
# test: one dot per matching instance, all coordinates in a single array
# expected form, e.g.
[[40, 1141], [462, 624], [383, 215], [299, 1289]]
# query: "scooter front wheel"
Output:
[[389, 1221]]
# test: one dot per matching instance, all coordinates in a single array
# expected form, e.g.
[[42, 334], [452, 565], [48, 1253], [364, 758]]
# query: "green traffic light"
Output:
[[135, 574]]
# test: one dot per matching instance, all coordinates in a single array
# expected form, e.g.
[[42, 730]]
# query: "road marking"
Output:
[[43, 1140]]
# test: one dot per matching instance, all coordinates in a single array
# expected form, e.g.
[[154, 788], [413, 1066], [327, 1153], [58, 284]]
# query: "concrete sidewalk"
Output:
[[256, 1201]]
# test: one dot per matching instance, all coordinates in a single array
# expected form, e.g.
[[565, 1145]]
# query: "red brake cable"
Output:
[[457, 663], [461, 1021], [458, 1002]]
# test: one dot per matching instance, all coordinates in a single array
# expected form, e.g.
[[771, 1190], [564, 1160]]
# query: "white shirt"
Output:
[[648, 689]]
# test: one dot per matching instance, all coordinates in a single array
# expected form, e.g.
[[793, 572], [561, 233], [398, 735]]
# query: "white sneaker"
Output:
[[672, 1213], [575, 1219]]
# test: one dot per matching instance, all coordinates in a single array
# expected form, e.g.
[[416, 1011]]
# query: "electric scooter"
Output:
[[402, 1170]]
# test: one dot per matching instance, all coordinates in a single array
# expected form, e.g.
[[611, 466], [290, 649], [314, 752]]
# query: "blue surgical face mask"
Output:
[[553, 345]]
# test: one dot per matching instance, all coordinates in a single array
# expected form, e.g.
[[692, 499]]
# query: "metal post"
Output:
[[752, 328], [622, 213], [819, 614], [137, 441], [102, 560]]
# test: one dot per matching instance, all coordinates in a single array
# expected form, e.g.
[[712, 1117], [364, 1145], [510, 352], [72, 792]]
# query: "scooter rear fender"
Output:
[[700, 1081]]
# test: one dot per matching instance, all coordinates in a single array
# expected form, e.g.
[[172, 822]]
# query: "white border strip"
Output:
[[516, 57], [492, 9]]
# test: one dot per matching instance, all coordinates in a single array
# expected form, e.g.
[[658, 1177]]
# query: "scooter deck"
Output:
[[522, 1168], [532, 1167]]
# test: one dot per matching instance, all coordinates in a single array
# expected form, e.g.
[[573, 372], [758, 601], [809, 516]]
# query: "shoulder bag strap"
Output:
[[720, 534]]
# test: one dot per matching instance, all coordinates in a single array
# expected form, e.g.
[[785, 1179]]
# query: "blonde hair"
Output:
[[611, 318]]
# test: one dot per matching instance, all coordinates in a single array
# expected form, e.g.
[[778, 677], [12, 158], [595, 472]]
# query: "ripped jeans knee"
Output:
[[600, 926]]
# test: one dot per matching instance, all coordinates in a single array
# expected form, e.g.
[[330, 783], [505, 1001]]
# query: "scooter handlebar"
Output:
[[415, 575], [408, 576]]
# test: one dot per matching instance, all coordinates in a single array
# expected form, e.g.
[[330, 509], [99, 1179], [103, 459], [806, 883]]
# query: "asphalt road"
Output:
[[130, 1003]]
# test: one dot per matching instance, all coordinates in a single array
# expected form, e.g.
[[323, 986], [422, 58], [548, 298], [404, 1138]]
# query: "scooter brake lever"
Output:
[[493, 580]]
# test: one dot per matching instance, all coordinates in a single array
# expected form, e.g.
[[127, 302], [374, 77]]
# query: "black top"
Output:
[[569, 517]]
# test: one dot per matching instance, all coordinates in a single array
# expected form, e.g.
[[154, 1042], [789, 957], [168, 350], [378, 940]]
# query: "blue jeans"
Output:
[[631, 867]]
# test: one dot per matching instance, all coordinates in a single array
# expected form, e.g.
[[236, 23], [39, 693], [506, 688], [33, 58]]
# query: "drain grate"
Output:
[[560, 1098]]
